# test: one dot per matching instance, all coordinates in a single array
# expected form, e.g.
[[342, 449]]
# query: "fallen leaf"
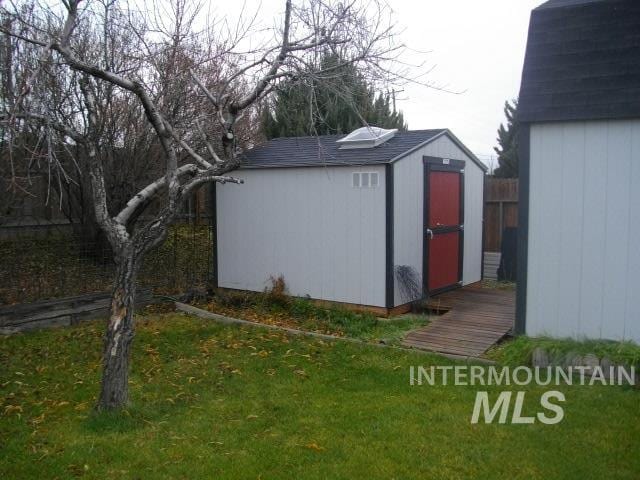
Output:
[[12, 408], [314, 446]]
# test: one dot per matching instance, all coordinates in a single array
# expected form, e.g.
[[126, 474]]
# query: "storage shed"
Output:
[[579, 250], [374, 219]]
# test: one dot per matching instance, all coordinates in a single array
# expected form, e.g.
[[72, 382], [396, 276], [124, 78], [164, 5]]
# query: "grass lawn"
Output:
[[211, 401]]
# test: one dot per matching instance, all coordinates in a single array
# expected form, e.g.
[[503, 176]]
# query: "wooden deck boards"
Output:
[[476, 319]]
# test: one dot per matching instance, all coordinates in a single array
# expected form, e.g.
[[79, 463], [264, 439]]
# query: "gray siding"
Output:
[[408, 211], [583, 273], [308, 224]]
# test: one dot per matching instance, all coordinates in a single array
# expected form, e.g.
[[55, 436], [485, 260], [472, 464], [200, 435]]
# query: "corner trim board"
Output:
[[484, 212], [524, 153], [389, 277]]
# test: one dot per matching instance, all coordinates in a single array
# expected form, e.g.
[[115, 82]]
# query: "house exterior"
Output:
[[579, 251], [343, 218]]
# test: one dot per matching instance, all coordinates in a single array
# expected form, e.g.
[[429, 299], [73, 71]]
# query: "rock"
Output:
[[591, 361], [606, 364], [572, 359], [607, 370], [540, 358]]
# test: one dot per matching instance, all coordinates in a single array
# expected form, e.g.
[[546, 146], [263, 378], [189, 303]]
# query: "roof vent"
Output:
[[366, 137]]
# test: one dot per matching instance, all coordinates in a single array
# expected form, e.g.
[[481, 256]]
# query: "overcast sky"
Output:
[[477, 48]]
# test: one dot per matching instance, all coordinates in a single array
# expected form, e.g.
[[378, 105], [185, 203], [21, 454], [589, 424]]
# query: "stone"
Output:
[[606, 365], [540, 358], [590, 360], [572, 359]]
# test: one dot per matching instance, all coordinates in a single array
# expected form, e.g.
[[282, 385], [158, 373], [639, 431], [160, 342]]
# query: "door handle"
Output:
[[430, 233]]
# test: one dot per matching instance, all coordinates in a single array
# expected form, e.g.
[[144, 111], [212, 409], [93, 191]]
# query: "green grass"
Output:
[[211, 401], [518, 351], [303, 314]]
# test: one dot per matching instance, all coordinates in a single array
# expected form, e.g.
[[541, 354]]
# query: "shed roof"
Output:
[[323, 150], [582, 61], [565, 3]]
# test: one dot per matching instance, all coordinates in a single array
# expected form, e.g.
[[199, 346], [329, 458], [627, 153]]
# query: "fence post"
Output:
[[213, 219]]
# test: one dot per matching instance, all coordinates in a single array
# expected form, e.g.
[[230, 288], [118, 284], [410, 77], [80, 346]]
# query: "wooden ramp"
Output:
[[475, 319]]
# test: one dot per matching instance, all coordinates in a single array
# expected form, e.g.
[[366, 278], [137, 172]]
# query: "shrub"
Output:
[[277, 294]]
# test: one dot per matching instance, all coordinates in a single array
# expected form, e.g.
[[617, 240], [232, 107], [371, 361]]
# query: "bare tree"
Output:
[[193, 89]]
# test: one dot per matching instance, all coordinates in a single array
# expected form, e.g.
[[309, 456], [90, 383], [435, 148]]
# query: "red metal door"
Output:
[[444, 227]]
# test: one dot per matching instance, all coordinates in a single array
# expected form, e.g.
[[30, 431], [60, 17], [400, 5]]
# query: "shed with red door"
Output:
[[377, 218]]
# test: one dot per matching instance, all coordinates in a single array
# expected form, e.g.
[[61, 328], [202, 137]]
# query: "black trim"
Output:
[[461, 244], [436, 164], [214, 235], [524, 141], [389, 283], [425, 215], [484, 205]]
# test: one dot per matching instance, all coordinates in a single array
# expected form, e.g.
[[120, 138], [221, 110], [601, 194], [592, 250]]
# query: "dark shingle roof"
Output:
[[565, 3], [582, 61], [323, 150]]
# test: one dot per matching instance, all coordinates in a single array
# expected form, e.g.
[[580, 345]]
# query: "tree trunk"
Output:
[[114, 389]]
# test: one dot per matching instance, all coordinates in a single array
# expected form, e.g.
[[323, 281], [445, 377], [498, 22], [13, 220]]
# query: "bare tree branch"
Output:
[[107, 76]]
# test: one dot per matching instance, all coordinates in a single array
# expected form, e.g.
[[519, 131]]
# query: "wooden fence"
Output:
[[60, 311], [500, 211]]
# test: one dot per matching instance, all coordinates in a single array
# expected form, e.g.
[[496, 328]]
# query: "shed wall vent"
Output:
[[366, 137]]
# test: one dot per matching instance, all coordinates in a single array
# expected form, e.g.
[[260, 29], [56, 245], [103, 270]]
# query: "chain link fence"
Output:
[[48, 261]]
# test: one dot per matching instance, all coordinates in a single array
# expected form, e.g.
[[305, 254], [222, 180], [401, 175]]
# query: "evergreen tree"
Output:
[[508, 143], [337, 100]]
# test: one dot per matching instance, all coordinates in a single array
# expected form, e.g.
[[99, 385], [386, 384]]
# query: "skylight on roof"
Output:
[[366, 137]]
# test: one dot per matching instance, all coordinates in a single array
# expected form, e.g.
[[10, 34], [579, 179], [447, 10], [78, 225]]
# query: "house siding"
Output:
[[409, 206], [583, 258], [310, 225]]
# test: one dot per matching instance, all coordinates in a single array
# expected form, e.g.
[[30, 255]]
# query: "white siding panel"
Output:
[[545, 271], [584, 225], [473, 206], [407, 215], [308, 224], [408, 211], [594, 228], [632, 313], [572, 200], [617, 227]]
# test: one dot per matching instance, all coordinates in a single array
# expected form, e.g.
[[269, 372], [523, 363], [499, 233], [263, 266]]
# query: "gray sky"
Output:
[[477, 48]]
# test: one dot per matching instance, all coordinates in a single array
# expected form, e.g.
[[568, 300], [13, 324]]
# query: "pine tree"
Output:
[[337, 102], [508, 143]]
